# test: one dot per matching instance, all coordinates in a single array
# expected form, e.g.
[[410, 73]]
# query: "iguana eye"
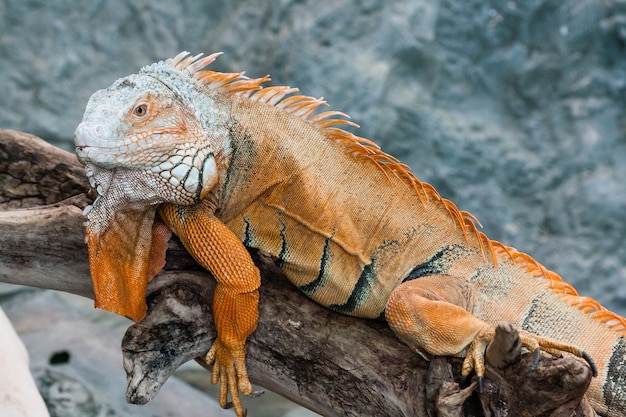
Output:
[[141, 110]]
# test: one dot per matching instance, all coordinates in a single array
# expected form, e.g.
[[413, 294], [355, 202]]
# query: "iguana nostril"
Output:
[[99, 131]]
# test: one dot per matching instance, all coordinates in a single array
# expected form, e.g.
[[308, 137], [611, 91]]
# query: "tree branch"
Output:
[[333, 364]]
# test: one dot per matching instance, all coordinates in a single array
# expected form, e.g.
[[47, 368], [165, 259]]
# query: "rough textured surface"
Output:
[[34, 173], [511, 109]]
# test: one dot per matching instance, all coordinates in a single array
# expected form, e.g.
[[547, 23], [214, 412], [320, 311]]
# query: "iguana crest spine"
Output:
[[237, 84]]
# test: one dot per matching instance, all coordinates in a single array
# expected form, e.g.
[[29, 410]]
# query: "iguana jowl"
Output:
[[226, 164]]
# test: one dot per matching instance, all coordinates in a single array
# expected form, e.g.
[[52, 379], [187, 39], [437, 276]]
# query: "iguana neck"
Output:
[[265, 146]]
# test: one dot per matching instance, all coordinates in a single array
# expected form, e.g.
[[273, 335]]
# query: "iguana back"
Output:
[[349, 225]]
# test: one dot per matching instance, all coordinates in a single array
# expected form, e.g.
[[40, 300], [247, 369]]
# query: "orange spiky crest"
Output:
[[237, 84]]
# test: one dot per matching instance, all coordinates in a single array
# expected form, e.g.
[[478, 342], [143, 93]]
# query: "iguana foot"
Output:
[[475, 357], [229, 368]]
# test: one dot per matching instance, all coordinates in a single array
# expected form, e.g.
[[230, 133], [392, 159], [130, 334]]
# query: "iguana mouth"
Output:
[[91, 143]]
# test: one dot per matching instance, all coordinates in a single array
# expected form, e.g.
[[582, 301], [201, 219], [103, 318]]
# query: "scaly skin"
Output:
[[225, 164]]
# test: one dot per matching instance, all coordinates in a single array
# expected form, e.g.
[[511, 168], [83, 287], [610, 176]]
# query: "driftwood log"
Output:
[[329, 363]]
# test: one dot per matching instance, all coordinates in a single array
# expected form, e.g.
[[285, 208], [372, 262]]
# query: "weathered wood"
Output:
[[333, 364], [329, 363], [34, 173]]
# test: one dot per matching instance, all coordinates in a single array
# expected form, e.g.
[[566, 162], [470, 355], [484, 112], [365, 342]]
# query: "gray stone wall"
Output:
[[512, 109]]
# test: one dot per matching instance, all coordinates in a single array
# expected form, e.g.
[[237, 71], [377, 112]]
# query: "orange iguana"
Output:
[[226, 164]]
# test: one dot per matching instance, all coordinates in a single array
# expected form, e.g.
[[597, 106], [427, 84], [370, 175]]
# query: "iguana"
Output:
[[226, 164]]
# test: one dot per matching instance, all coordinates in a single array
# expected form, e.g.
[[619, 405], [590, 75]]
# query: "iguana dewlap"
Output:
[[226, 164]]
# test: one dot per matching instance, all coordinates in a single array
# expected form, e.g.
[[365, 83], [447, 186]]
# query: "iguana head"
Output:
[[141, 124], [142, 144]]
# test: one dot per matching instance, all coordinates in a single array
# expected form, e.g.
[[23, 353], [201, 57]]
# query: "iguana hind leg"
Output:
[[432, 314]]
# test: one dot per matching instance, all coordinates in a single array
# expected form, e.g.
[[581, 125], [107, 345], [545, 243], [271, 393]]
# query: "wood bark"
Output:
[[333, 364]]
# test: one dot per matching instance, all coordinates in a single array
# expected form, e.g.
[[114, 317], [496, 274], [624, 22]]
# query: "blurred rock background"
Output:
[[512, 109]]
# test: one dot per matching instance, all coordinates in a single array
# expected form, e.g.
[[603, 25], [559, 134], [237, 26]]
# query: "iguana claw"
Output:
[[230, 370], [230, 405], [537, 353], [591, 363], [475, 357]]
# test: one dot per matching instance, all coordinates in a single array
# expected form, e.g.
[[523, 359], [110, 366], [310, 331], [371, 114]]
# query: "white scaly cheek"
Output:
[[179, 172], [171, 170], [209, 176], [186, 174], [192, 180]]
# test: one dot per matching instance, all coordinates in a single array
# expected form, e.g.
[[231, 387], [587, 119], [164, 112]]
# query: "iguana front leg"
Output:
[[236, 299], [431, 314]]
